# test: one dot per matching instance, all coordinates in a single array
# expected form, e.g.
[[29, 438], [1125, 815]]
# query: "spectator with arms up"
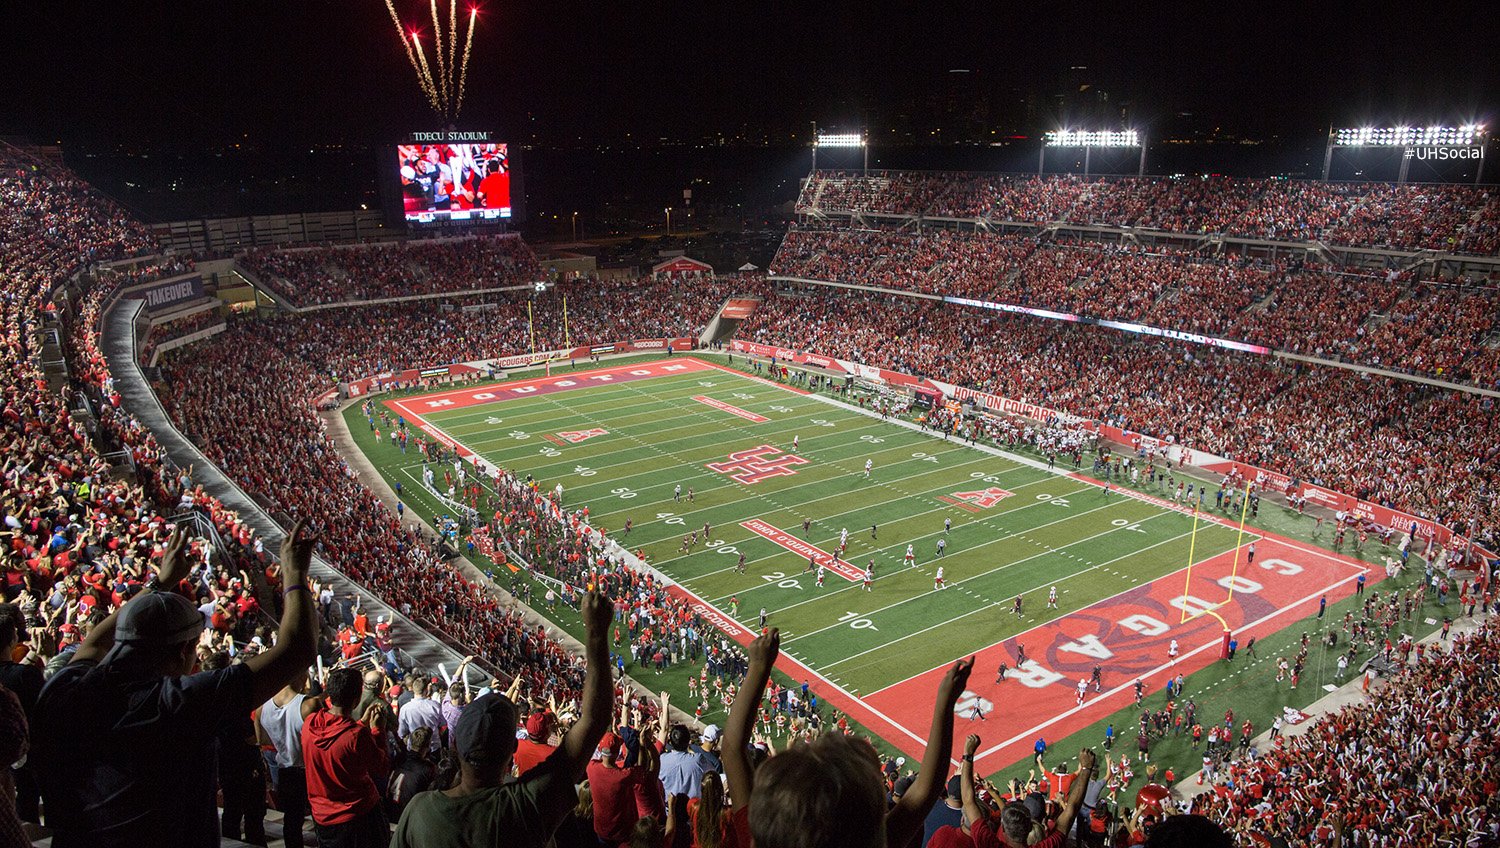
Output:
[[483, 809], [829, 793], [143, 773]]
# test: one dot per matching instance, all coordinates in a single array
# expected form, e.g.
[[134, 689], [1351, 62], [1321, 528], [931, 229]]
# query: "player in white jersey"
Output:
[[1172, 651], [911, 557], [937, 582], [869, 464], [844, 539], [869, 578], [794, 443], [1052, 598], [1083, 685], [821, 572]]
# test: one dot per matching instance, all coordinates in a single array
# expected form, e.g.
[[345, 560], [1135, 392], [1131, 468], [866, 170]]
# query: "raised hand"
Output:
[[296, 553], [174, 565], [954, 682], [765, 648], [598, 613]]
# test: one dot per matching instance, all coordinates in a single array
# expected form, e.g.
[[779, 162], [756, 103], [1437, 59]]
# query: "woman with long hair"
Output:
[[709, 815]]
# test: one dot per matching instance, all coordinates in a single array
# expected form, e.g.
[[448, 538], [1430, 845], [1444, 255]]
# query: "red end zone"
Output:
[[414, 408], [1128, 636]]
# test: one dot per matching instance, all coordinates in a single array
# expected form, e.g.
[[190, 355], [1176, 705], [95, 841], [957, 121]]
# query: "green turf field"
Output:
[[1048, 531]]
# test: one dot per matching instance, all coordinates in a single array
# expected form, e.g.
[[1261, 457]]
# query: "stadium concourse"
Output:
[[110, 607]]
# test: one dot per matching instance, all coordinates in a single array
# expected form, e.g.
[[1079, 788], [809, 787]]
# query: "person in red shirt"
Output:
[[346, 764], [623, 794], [531, 751]]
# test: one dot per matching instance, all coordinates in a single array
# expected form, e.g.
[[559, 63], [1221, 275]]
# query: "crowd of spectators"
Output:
[[117, 609], [1457, 218], [313, 275], [1415, 764], [1406, 445], [1389, 319]]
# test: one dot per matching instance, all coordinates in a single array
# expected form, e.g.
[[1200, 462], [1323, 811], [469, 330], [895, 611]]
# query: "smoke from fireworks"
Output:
[[442, 82]]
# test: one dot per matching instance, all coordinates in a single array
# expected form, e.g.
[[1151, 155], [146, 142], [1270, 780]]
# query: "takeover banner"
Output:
[[162, 295]]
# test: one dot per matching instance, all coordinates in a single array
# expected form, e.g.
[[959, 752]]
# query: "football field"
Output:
[[777, 477]]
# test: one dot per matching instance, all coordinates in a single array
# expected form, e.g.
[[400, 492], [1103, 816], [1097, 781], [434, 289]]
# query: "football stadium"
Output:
[[986, 471]]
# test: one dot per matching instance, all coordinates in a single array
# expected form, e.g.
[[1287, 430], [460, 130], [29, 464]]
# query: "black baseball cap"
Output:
[[485, 733]]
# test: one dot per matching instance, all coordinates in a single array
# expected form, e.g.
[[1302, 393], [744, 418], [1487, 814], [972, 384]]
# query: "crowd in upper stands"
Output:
[[1437, 327], [313, 275], [1457, 218], [1403, 444]]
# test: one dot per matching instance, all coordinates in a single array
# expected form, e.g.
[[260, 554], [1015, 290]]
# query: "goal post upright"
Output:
[[1192, 548], [1239, 541]]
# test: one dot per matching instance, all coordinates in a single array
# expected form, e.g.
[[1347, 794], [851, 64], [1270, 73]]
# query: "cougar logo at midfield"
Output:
[[756, 464]]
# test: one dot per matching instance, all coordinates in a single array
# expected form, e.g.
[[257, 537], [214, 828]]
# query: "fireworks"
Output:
[[442, 81]]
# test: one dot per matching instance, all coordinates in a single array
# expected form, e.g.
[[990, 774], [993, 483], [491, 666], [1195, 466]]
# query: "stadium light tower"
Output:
[[1441, 143], [837, 140], [1088, 140]]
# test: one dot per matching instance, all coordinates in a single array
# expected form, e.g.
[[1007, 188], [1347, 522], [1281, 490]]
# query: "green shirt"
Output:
[[521, 814]]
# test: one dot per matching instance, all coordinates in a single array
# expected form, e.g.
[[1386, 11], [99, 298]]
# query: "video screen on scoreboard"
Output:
[[454, 182]]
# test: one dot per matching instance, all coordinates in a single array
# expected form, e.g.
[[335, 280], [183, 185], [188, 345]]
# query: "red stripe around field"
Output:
[[462, 398]]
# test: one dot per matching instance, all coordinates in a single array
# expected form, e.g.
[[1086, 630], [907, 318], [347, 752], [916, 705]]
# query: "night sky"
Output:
[[332, 70]]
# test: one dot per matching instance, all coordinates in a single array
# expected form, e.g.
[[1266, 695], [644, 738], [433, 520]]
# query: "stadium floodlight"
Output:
[[1088, 140], [847, 140], [1093, 138], [1436, 136], [1436, 141], [840, 140]]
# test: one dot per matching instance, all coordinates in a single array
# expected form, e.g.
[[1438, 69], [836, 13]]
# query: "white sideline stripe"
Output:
[[604, 398]]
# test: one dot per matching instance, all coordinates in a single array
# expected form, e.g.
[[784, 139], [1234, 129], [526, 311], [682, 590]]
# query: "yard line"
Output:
[[856, 586], [984, 607], [1049, 552], [782, 552]]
